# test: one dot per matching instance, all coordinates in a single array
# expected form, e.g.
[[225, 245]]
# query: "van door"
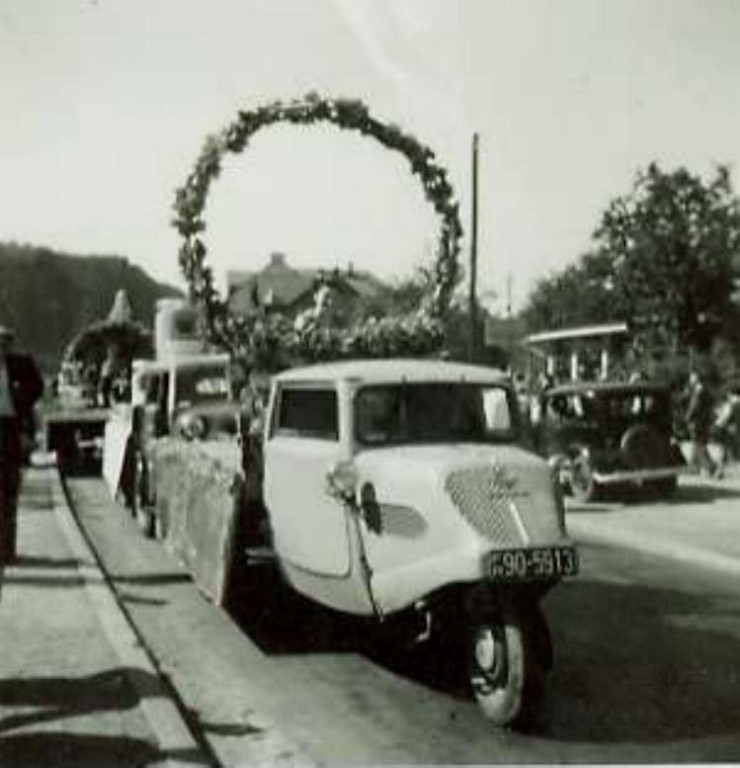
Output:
[[302, 445]]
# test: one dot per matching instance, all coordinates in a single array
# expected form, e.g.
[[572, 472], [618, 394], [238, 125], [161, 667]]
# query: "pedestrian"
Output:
[[254, 526], [699, 422], [725, 429], [20, 387], [545, 383]]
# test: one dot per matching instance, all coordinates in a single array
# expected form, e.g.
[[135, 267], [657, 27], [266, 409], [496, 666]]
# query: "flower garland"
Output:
[[271, 341]]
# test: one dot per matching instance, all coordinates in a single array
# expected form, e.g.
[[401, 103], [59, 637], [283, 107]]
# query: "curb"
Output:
[[174, 739], [596, 532]]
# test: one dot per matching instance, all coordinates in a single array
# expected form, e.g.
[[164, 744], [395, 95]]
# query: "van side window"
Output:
[[496, 410], [309, 413], [151, 385]]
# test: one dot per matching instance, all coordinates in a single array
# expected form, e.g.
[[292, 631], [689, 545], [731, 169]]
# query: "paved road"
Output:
[[646, 671]]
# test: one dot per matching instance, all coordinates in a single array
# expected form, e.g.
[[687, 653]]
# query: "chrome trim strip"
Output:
[[633, 475]]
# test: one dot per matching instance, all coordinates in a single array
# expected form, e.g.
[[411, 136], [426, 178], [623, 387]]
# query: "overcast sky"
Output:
[[106, 104]]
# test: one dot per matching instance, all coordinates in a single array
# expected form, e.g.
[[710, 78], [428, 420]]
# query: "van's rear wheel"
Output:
[[505, 668]]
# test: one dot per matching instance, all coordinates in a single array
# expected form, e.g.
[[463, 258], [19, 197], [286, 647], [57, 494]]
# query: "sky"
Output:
[[105, 105]]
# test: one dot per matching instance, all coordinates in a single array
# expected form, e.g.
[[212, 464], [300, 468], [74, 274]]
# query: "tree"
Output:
[[672, 243], [582, 294], [663, 260]]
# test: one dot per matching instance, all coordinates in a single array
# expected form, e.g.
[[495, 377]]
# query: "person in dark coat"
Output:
[[699, 416], [21, 386]]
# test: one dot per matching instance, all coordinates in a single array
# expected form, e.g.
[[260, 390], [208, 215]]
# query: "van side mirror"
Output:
[[370, 508]]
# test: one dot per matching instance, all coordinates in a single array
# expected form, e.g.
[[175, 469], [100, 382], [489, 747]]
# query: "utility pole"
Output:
[[473, 302]]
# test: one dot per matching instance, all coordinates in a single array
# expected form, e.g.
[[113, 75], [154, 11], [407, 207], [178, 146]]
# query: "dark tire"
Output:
[[505, 669], [665, 488], [542, 640], [642, 447], [583, 487]]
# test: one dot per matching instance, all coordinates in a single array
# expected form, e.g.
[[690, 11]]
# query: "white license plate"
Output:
[[530, 564]]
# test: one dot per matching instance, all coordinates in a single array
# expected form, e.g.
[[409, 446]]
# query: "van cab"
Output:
[[402, 486]]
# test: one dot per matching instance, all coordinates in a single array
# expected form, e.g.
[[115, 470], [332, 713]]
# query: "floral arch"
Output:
[[269, 340]]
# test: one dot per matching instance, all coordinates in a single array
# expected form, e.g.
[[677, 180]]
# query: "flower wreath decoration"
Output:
[[270, 340]]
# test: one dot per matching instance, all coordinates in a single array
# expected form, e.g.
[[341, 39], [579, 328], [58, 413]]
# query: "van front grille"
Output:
[[506, 507]]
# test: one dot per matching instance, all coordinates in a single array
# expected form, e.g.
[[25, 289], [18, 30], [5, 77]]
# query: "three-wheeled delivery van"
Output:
[[399, 488]]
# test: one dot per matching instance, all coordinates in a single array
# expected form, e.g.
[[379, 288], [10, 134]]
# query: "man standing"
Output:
[[20, 387], [699, 420], [725, 429]]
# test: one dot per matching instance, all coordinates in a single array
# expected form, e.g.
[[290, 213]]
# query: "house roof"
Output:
[[283, 286]]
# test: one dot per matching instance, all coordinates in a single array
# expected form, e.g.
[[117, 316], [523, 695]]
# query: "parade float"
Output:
[[94, 373]]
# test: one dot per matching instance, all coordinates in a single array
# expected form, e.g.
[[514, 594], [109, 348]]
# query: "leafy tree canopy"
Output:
[[664, 259]]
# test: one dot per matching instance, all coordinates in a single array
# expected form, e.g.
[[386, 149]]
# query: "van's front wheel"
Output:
[[505, 669]]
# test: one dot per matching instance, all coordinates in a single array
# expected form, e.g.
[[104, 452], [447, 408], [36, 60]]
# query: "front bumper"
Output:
[[637, 475]]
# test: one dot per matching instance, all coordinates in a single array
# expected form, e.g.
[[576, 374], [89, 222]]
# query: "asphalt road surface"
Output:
[[645, 666]]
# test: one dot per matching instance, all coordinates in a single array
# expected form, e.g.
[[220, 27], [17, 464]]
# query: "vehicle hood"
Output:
[[440, 460], [504, 492]]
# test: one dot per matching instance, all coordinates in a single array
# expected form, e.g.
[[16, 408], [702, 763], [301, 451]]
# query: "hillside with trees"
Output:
[[48, 297]]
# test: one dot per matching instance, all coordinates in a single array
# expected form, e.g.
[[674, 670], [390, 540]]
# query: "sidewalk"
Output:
[[76, 686], [699, 525]]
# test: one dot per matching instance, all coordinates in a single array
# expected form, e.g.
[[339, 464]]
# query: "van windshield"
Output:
[[206, 384], [392, 414]]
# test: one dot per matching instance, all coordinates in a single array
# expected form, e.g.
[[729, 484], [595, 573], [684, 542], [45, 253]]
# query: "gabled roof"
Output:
[[364, 284], [277, 284], [283, 286]]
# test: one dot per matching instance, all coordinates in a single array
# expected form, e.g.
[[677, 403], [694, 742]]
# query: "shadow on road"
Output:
[[632, 664], [704, 494], [280, 621], [76, 750], [42, 701], [31, 561], [58, 698], [694, 493], [635, 664]]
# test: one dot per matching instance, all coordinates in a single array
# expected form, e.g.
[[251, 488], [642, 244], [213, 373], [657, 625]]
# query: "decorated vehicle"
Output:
[[92, 376], [189, 396], [398, 490], [609, 434], [186, 396]]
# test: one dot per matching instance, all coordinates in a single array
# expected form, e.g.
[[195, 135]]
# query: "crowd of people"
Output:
[[710, 421]]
